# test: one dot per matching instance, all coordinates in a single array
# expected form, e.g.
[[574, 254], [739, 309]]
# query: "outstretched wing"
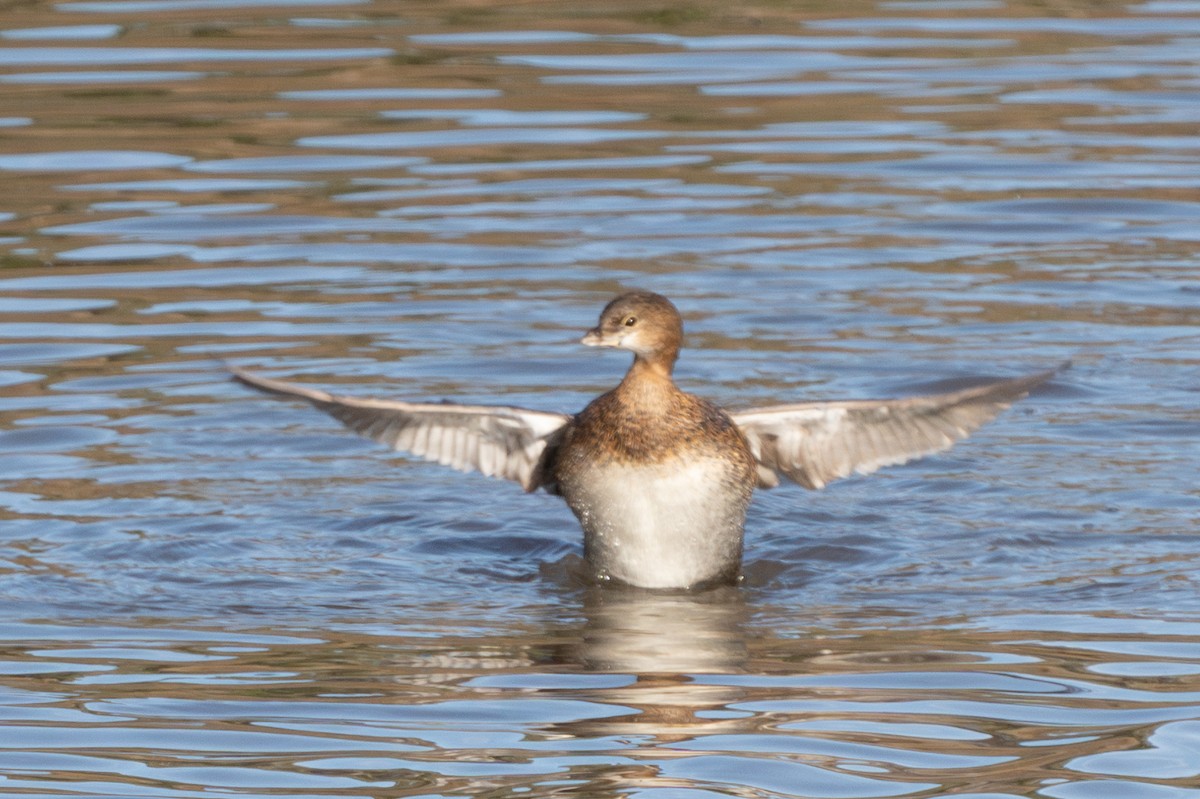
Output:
[[498, 441], [816, 442]]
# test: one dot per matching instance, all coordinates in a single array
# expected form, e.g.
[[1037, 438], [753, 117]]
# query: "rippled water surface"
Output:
[[205, 592]]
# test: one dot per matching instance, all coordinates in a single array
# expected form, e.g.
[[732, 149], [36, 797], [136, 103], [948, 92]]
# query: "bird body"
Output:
[[658, 478]]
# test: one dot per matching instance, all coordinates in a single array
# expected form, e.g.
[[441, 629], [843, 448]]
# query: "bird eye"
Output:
[[630, 321]]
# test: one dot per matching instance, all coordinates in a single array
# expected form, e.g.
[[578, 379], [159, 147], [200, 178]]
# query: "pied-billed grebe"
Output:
[[658, 478]]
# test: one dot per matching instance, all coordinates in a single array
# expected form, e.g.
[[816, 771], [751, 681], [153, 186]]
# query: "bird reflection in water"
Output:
[[662, 640]]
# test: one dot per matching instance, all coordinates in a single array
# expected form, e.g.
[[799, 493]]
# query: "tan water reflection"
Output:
[[833, 713]]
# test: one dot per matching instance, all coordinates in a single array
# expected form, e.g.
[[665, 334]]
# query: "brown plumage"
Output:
[[660, 479]]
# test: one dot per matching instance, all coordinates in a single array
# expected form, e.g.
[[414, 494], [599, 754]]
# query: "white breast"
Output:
[[660, 526]]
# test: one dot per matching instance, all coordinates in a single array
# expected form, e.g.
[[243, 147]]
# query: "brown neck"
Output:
[[659, 365], [648, 386]]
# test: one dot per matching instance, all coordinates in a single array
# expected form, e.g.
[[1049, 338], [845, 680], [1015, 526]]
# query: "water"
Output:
[[204, 591]]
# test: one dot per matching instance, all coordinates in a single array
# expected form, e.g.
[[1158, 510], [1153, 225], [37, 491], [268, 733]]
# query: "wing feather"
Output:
[[420, 445], [817, 442], [498, 441]]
